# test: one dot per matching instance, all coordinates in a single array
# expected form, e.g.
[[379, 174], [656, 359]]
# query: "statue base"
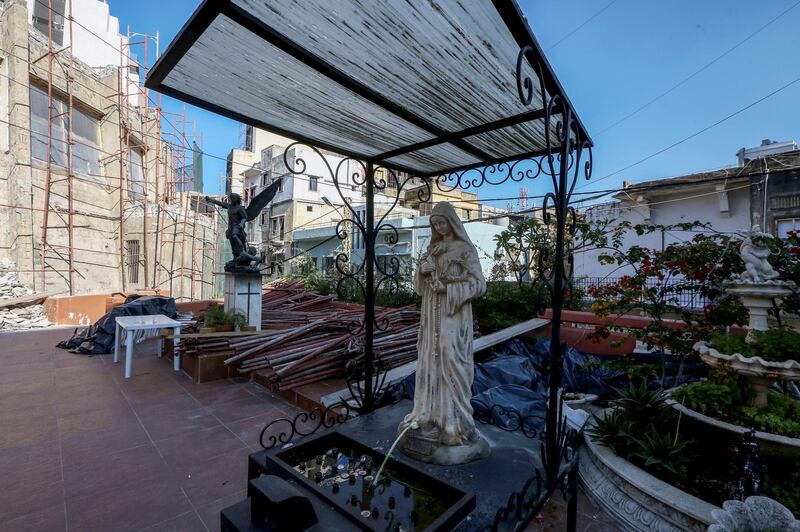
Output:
[[243, 293], [758, 298], [430, 450]]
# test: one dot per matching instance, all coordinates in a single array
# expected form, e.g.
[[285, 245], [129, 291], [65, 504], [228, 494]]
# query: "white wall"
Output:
[[97, 39], [666, 209]]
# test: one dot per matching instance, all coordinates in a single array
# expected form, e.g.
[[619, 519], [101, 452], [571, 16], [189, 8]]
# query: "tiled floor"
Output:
[[81, 448]]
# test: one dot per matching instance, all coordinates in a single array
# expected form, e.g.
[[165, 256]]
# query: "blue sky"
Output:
[[626, 55]]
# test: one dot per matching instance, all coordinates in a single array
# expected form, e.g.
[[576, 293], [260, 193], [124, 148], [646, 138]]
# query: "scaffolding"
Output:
[[162, 190]]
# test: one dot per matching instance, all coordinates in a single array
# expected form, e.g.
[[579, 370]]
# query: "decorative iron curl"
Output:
[[522, 505], [323, 417], [512, 420], [495, 174], [356, 388], [524, 83], [525, 504]]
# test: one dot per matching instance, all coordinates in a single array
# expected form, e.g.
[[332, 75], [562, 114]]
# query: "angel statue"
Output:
[[754, 254], [440, 429], [244, 258]]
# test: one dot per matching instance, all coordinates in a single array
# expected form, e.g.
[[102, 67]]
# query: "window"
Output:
[[42, 19], [312, 183], [309, 208], [248, 138], [265, 179], [358, 240], [788, 225], [133, 260], [85, 153], [135, 173], [263, 219], [276, 227], [280, 187], [328, 265]]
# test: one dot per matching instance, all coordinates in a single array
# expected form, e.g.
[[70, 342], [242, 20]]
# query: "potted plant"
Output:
[[222, 320]]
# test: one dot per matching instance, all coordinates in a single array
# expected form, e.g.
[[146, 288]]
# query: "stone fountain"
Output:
[[757, 287]]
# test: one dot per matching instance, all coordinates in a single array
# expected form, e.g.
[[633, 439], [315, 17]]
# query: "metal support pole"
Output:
[[556, 348], [572, 498], [369, 288]]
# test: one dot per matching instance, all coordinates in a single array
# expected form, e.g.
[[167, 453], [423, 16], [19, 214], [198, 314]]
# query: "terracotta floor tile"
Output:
[[198, 446], [48, 519], [100, 442], [217, 396], [239, 409], [104, 418], [165, 424], [187, 522], [110, 471], [221, 476], [132, 506], [249, 430], [29, 494], [210, 512], [28, 426]]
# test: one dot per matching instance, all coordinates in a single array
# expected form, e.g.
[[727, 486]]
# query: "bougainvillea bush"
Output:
[[700, 265]]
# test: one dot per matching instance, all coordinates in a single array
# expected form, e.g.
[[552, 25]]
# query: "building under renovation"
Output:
[[97, 182]]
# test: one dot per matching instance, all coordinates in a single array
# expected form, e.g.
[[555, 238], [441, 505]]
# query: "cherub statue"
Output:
[[244, 258], [754, 254]]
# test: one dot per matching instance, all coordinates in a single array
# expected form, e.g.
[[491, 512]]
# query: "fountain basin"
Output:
[[771, 444], [759, 372], [404, 495], [636, 499]]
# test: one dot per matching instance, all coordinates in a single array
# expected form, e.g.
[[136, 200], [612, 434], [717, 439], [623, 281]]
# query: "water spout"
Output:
[[413, 425]]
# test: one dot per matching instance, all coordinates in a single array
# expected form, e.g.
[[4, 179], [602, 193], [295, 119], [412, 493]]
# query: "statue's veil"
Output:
[[446, 210]]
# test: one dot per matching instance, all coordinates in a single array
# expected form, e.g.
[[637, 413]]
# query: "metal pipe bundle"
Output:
[[315, 337]]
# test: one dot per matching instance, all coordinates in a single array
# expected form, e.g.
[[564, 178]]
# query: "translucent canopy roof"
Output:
[[426, 87]]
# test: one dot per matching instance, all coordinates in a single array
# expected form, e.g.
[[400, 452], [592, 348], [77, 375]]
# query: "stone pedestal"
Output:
[[428, 448], [758, 298], [243, 293]]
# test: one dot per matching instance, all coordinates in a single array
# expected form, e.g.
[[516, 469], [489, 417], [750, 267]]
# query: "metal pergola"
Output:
[[457, 92]]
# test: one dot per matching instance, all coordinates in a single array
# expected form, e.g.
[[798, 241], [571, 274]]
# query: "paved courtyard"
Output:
[[81, 448]]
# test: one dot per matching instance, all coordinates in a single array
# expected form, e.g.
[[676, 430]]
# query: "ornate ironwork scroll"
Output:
[[303, 424], [349, 284], [511, 420], [525, 504]]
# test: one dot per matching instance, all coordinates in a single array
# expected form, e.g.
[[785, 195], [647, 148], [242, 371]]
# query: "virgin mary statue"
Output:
[[440, 429]]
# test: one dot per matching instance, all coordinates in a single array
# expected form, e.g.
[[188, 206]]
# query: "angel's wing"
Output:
[[261, 200]]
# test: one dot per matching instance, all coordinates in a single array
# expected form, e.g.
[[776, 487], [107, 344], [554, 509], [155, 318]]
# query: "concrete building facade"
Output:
[[89, 203], [764, 190]]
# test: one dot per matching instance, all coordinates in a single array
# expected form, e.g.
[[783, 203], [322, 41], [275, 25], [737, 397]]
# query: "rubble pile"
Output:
[[24, 315]]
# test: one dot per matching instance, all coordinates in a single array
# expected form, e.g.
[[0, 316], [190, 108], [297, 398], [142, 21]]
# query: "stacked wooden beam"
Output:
[[317, 337]]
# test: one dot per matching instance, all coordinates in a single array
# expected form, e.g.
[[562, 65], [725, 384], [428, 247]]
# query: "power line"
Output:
[[584, 23], [696, 133], [698, 71]]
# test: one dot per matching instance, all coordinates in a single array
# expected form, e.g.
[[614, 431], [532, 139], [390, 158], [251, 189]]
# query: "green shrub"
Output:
[[729, 399], [216, 316], [781, 416], [661, 453], [715, 397], [777, 344], [643, 406], [634, 430], [508, 303], [613, 430]]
